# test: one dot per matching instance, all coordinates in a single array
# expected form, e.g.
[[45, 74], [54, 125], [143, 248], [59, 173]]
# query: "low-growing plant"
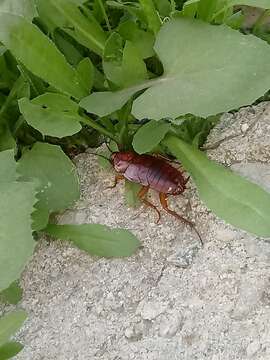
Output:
[[148, 75]]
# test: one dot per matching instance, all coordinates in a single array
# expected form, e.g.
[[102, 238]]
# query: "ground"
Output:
[[172, 300]]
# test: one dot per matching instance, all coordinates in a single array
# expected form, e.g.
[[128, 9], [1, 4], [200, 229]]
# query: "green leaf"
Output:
[[190, 8], [42, 57], [206, 8], [149, 136], [142, 40], [112, 58], [66, 46], [36, 84], [6, 139], [40, 216], [2, 50], [52, 114], [192, 75], [11, 295], [131, 8], [134, 68], [9, 350], [7, 166], [123, 67], [25, 8], [85, 30], [164, 7], [265, 4], [58, 181], [105, 102], [131, 193], [97, 239], [10, 324], [16, 241], [154, 21], [231, 197], [51, 18], [86, 73]]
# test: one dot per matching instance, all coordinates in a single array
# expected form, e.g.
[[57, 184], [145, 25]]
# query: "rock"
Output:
[[152, 309], [171, 325]]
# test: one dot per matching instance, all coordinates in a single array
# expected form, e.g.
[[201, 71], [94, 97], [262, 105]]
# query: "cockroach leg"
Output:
[[142, 196], [164, 203], [116, 180]]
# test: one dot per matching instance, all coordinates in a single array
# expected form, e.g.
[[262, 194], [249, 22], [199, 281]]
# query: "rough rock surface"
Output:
[[172, 300]]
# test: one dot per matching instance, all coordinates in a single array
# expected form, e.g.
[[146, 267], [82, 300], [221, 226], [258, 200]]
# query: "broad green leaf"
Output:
[[40, 216], [231, 197], [51, 18], [206, 8], [16, 241], [142, 40], [11, 295], [37, 85], [58, 181], [10, 324], [149, 136], [190, 8], [112, 58], [7, 141], [192, 75], [131, 8], [131, 193], [7, 166], [265, 4], [72, 54], [153, 19], [85, 30], [164, 7], [105, 102], [134, 68], [9, 350], [97, 239], [86, 73], [52, 114], [25, 8], [124, 67], [2, 50], [42, 57]]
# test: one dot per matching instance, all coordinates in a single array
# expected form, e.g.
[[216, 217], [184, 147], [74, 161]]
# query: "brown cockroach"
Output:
[[152, 173]]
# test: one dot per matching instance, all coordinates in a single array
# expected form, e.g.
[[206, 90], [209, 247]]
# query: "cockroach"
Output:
[[152, 172]]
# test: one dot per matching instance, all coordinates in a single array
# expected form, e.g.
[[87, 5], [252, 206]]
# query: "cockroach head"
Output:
[[121, 160]]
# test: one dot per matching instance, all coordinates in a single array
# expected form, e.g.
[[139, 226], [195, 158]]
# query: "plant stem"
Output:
[[90, 122]]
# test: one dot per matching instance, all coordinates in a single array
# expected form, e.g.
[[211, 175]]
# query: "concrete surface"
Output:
[[170, 301]]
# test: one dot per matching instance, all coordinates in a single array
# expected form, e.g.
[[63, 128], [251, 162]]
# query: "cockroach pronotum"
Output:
[[152, 173]]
